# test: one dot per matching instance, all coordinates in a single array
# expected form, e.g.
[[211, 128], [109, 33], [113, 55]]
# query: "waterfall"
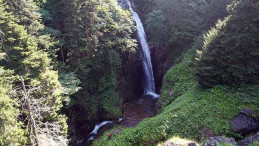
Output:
[[149, 84]]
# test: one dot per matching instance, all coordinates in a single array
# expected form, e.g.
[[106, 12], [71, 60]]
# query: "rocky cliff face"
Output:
[[130, 79], [161, 63]]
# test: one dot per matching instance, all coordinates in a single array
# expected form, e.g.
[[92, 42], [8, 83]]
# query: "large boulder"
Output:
[[245, 123]]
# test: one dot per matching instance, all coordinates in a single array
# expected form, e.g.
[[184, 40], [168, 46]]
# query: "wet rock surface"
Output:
[[161, 63], [175, 144]]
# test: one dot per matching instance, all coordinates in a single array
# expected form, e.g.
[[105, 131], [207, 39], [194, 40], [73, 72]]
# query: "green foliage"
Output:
[[11, 132], [27, 52], [230, 51], [193, 109], [216, 9], [111, 103], [224, 144], [69, 83], [176, 82], [156, 27], [96, 33], [26, 14], [179, 79], [254, 144], [174, 24], [143, 7], [92, 36], [187, 115]]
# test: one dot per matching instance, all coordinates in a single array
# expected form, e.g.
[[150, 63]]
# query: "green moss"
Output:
[[224, 144], [176, 83], [178, 79]]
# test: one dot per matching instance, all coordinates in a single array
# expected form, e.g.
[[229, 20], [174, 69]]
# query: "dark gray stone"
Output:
[[169, 143], [192, 144], [247, 111], [249, 140], [219, 139], [245, 123]]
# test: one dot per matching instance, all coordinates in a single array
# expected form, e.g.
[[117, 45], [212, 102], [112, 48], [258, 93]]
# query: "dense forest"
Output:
[[73, 72]]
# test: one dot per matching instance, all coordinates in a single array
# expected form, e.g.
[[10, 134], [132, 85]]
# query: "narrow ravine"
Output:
[[135, 111]]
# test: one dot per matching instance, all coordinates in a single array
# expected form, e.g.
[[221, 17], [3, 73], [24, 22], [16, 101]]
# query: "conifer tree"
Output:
[[26, 13], [11, 132], [28, 59], [230, 51]]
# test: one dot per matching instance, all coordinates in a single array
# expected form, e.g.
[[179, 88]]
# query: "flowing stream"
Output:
[[149, 84]]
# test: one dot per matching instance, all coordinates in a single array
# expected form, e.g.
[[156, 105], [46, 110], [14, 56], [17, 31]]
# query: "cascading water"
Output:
[[149, 84]]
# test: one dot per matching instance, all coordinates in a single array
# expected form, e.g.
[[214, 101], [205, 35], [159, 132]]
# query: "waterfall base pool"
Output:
[[136, 111]]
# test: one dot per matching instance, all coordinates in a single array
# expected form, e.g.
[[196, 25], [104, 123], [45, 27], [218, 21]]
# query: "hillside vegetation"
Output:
[[67, 65], [221, 61], [61, 66]]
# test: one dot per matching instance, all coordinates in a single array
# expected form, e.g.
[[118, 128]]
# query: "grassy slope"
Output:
[[187, 108]]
